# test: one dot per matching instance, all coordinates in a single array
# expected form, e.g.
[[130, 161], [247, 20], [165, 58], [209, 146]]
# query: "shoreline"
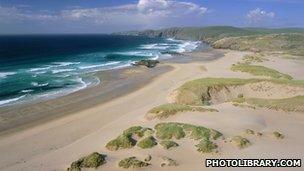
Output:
[[50, 135], [115, 83]]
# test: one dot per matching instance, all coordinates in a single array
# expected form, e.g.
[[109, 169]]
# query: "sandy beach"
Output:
[[51, 135]]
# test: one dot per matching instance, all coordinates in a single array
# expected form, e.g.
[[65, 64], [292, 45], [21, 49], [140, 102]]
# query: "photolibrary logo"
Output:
[[253, 163]]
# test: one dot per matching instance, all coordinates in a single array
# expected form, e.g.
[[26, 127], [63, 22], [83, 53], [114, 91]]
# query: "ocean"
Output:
[[36, 67]]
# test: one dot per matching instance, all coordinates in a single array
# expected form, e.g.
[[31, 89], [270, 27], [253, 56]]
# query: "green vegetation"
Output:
[[147, 142], [121, 142], [259, 71], [167, 144], [132, 162], [179, 130], [169, 130], [197, 92], [278, 135], [288, 43], [256, 57], [166, 110], [293, 104], [240, 142], [168, 162], [211, 33], [199, 132], [206, 146], [128, 138], [93, 160]]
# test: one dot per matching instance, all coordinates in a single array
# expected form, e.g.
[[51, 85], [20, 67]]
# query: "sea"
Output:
[[38, 67]]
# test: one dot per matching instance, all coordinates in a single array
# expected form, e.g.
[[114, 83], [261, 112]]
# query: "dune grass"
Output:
[[127, 138], [240, 142], [167, 144], [121, 142], [199, 132], [259, 71], [293, 104], [147, 142], [166, 131], [93, 160], [167, 110], [206, 146], [197, 92], [132, 162], [289, 43], [254, 58]]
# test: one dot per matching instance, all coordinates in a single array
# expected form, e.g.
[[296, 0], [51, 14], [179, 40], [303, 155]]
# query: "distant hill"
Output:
[[210, 34]]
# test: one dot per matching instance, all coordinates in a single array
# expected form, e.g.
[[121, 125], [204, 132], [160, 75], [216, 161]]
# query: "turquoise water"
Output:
[[46, 66]]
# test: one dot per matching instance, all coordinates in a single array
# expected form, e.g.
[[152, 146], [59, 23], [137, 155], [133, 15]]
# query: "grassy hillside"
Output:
[[287, 43], [285, 40], [211, 33]]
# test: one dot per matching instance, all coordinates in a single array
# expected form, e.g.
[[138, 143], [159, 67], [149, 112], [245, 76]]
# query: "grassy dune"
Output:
[[294, 104], [170, 130], [288, 43], [93, 160], [259, 71], [166, 110], [254, 58], [197, 92]]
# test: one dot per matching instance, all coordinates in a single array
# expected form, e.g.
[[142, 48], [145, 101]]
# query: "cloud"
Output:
[[144, 13], [259, 16], [14, 14]]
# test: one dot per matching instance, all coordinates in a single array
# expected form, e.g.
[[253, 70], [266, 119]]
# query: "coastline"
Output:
[[55, 144], [62, 129], [115, 83]]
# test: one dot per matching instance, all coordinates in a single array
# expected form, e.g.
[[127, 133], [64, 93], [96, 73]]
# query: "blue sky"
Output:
[[105, 16]]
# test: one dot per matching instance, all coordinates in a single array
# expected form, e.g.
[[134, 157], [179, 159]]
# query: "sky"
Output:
[[107, 16]]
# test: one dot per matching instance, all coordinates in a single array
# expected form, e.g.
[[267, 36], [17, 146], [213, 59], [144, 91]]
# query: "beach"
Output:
[[50, 135]]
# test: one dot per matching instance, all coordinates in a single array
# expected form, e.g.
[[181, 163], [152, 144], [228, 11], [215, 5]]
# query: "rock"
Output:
[[146, 62]]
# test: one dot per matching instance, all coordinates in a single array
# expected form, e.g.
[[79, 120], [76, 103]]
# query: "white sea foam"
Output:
[[160, 46], [3, 102], [66, 63], [5, 74], [35, 84], [187, 46], [27, 91], [135, 53], [40, 69], [61, 70], [99, 65]]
